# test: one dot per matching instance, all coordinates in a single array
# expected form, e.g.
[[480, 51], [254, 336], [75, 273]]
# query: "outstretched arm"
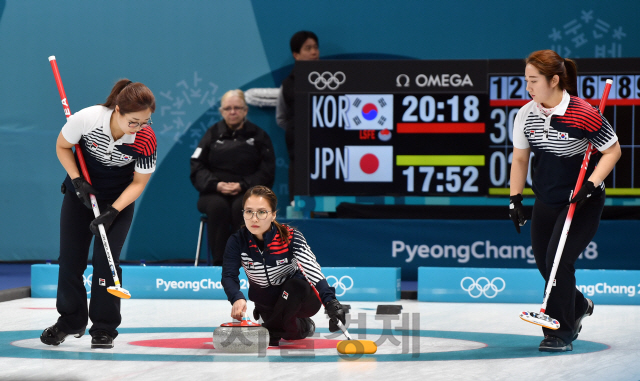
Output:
[[519, 169], [609, 158]]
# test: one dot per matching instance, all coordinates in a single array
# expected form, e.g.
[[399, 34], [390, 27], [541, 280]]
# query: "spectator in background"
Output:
[[304, 47], [233, 156]]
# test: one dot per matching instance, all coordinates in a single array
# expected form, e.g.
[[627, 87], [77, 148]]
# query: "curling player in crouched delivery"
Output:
[[269, 252]]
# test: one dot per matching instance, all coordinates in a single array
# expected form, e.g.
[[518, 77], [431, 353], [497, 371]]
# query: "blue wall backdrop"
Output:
[[190, 52]]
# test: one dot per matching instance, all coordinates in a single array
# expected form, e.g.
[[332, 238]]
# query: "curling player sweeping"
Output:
[[119, 148], [559, 129]]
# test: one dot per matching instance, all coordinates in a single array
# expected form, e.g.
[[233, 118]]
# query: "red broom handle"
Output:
[[67, 113]]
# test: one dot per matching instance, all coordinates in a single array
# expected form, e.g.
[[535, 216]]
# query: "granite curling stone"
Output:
[[238, 339]]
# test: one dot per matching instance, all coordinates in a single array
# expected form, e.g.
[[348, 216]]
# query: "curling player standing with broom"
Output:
[[119, 148], [558, 128]]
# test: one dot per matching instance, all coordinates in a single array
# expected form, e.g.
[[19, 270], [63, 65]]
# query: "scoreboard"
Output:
[[435, 128]]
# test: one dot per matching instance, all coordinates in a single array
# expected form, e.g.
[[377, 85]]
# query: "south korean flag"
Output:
[[369, 112]]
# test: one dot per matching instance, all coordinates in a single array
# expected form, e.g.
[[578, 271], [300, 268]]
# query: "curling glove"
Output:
[[584, 192], [83, 189], [516, 211], [335, 312], [105, 218]]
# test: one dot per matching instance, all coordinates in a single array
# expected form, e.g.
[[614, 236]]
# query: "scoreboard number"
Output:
[[451, 179], [429, 110]]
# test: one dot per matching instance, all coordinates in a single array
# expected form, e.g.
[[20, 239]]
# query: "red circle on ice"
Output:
[[207, 343], [369, 163]]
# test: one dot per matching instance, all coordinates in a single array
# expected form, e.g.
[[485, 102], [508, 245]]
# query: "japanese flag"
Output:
[[369, 164], [370, 112]]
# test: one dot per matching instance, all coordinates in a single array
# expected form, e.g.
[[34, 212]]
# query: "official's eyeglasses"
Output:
[[261, 214], [143, 125], [234, 108]]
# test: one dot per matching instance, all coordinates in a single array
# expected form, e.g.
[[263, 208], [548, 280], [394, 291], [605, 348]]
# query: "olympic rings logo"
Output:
[[327, 80], [87, 282], [482, 285], [340, 283]]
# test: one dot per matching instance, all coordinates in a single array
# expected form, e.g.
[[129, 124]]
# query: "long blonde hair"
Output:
[[233, 93]]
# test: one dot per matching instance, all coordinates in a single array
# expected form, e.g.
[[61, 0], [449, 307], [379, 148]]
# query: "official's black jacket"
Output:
[[245, 156], [289, 118], [271, 267]]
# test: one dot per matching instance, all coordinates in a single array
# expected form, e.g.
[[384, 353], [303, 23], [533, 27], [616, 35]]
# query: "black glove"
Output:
[[516, 211], [335, 312], [105, 218], [584, 192], [83, 189]]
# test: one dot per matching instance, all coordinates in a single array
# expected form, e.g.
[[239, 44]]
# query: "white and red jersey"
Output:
[[110, 162], [558, 142], [271, 266]]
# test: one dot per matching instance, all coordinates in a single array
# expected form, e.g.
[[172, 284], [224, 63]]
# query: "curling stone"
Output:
[[236, 338]]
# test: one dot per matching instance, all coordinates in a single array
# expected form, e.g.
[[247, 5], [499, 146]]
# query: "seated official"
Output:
[[233, 155]]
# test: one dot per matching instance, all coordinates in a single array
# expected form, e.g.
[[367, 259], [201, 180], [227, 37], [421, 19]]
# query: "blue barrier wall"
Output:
[[165, 282], [189, 53], [410, 244], [489, 285]]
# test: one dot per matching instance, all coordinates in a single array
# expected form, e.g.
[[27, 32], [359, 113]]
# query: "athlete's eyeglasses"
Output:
[[261, 214], [142, 125]]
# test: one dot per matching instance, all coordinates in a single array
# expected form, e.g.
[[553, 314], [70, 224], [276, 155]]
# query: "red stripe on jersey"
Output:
[[582, 115], [277, 246], [145, 142]]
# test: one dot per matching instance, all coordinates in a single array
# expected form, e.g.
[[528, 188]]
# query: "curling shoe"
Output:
[[55, 336], [310, 329], [577, 327], [554, 344], [274, 341], [101, 340]]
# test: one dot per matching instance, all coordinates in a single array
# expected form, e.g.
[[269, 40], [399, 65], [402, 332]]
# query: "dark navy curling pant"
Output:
[[295, 300], [75, 241], [566, 302]]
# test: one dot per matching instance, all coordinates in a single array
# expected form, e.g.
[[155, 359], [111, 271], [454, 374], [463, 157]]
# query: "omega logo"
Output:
[[437, 80]]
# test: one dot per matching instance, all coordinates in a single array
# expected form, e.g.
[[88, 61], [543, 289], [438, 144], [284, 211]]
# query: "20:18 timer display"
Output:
[[427, 109]]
